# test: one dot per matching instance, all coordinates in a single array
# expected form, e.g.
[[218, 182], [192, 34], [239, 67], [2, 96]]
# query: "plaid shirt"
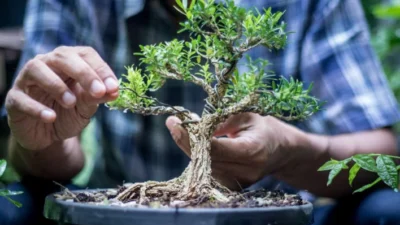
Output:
[[329, 47]]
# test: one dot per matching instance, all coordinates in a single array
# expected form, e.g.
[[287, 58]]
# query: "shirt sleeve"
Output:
[[52, 23], [338, 58]]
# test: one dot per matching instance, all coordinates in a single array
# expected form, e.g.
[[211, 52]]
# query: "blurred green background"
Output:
[[384, 22], [383, 18]]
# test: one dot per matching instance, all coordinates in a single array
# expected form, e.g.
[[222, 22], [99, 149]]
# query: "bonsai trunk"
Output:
[[196, 181], [198, 174]]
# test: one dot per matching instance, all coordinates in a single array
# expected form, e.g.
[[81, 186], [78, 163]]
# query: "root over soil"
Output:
[[169, 195]]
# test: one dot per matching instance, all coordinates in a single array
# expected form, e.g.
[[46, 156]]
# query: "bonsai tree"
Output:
[[220, 35]]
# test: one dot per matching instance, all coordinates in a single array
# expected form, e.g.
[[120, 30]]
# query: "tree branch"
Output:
[[243, 105], [239, 30], [169, 75], [249, 44], [173, 74], [159, 110], [164, 108], [223, 82]]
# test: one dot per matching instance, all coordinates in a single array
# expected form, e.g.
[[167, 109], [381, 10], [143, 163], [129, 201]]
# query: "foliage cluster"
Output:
[[383, 165], [220, 34]]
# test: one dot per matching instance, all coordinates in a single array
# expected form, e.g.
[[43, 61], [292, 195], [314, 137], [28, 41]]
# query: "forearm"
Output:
[[319, 149], [60, 161]]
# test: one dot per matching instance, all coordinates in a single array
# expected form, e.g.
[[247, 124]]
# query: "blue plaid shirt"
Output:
[[329, 47]]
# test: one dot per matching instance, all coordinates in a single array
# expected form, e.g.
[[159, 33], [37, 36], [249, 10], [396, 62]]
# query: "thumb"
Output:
[[178, 133]]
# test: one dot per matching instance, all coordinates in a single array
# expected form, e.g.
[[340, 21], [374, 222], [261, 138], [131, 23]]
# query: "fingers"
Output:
[[93, 59], [38, 73], [232, 149], [86, 104], [19, 104], [179, 134], [72, 65], [237, 176], [223, 149], [234, 124]]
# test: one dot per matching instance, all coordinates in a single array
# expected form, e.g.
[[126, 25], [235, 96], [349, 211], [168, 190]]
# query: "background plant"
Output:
[[384, 21], [383, 165], [4, 192]]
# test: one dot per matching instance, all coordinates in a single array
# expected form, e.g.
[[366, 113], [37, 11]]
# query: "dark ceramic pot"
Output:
[[85, 214]]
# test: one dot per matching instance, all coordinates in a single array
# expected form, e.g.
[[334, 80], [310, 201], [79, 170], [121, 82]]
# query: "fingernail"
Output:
[[68, 98], [111, 84], [97, 88], [47, 114]]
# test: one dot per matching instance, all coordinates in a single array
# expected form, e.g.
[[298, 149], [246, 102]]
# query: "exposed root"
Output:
[[171, 193], [140, 192]]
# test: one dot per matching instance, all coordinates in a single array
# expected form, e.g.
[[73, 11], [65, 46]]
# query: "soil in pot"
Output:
[[101, 207], [245, 199]]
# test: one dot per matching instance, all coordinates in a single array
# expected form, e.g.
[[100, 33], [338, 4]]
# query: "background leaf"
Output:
[[365, 187], [329, 165], [3, 165], [366, 162], [179, 2], [16, 203], [334, 172], [6, 193], [353, 173], [387, 11], [387, 171]]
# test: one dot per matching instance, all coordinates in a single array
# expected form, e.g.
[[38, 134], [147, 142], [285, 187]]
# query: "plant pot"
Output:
[[87, 214]]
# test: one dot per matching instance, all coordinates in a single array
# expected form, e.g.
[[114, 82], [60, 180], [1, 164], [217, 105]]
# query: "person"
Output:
[[75, 51]]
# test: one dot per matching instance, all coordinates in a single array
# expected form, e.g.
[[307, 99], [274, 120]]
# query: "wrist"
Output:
[[61, 160]]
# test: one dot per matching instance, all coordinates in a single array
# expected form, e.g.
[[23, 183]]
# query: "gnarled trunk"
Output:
[[198, 174]]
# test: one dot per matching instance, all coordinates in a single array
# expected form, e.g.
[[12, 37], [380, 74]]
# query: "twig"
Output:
[[65, 189], [159, 102]]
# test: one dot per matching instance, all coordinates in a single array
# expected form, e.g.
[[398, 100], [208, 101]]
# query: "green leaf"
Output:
[[192, 4], [3, 166], [387, 171], [6, 193], [185, 4], [387, 11], [334, 172], [179, 2], [366, 162], [365, 187], [353, 173], [329, 165], [278, 16], [179, 10], [17, 204]]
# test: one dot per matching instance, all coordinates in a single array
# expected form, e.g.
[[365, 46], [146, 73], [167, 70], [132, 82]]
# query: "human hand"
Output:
[[253, 146], [55, 95]]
